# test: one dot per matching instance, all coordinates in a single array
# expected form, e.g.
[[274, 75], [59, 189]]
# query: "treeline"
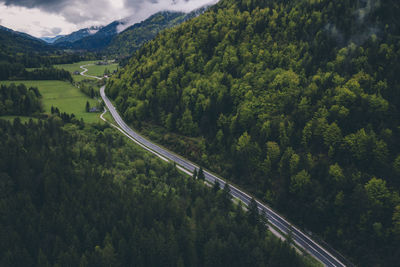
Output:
[[19, 100], [84, 196], [297, 101], [90, 87], [37, 59], [18, 72]]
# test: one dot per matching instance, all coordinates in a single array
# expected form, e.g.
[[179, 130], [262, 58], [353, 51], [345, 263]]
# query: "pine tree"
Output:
[[201, 174], [253, 215], [216, 186]]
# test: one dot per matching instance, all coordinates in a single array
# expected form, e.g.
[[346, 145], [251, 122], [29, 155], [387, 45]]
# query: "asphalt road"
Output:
[[301, 239]]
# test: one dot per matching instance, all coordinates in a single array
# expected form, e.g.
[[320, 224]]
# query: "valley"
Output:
[[239, 133]]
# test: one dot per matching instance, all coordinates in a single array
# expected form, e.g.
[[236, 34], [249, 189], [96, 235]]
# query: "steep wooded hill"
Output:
[[297, 101], [86, 196], [13, 43], [131, 39]]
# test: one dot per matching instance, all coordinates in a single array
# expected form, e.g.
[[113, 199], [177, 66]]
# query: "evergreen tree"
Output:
[[200, 175]]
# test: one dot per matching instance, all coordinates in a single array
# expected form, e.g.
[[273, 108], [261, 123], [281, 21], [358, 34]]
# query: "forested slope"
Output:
[[131, 39], [20, 50], [297, 101], [72, 195]]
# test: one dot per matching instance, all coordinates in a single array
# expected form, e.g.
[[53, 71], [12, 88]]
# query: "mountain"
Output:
[[296, 101], [51, 40], [132, 38], [13, 43], [77, 35], [25, 36], [20, 50], [93, 39], [114, 42]]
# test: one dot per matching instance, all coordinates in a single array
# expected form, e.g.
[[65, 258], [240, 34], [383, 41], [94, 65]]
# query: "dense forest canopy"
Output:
[[76, 195], [132, 38], [297, 101], [19, 100]]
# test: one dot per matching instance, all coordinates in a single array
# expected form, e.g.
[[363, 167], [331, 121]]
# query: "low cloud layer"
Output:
[[70, 15]]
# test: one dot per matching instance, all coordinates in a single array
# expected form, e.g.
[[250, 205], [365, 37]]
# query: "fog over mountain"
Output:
[[59, 17]]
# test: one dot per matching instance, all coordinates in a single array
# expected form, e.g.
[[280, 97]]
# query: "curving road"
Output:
[[299, 237]]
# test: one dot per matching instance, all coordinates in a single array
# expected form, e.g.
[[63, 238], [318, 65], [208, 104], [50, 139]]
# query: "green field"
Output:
[[98, 70], [64, 96], [75, 67], [94, 70]]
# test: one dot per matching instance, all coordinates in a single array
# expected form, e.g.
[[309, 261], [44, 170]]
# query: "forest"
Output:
[[296, 101], [19, 100], [18, 72], [83, 195], [131, 39], [19, 51]]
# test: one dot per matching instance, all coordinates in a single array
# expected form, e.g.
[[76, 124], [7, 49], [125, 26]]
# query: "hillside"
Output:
[[94, 40], [297, 101], [131, 39], [19, 51], [51, 40], [77, 35], [13, 43], [109, 40], [76, 195]]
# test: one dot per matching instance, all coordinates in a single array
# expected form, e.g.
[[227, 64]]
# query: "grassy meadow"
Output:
[[94, 70], [64, 96]]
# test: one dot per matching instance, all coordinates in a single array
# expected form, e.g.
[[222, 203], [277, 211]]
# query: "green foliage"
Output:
[[300, 183], [86, 196], [19, 100], [131, 39], [19, 50], [63, 95], [294, 99], [377, 192], [200, 174]]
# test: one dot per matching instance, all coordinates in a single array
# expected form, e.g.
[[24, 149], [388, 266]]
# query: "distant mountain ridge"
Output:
[[132, 38], [86, 40], [12, 42], [51, 40], [77, 35], [21, 34], [113, 41]]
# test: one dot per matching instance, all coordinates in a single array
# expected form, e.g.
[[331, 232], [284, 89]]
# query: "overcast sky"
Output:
[[53, 17]]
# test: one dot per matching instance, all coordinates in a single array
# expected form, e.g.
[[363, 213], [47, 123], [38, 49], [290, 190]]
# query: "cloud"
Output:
[[142, 9], [56, 30], [71, 15]]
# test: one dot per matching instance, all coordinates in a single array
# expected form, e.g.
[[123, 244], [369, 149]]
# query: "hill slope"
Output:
[[86, 196], [128, 41], [131, 39], [77, 35], [12, 42], [296, 101], [94, 38], [51, 40]]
